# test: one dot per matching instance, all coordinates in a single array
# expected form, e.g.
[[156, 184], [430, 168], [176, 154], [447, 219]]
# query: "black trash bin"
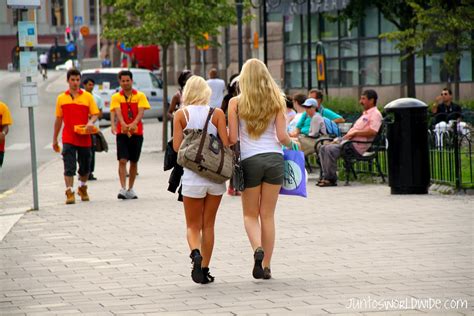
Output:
[[408, 155]]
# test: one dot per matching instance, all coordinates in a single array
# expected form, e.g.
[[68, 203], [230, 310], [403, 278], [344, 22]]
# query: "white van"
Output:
[[106, 84]]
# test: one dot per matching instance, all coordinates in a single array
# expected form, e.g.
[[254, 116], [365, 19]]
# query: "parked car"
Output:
[[106, 84]]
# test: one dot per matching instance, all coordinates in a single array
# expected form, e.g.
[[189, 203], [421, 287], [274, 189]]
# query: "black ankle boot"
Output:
[[257, 268], [207, 277], [196, 259]]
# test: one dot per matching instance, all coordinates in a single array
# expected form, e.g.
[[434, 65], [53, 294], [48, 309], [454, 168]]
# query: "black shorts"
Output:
[[129, 148], [266, 167], [73, 155], [2, 154]]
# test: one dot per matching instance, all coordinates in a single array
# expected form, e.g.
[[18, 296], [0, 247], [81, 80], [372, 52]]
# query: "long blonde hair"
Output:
[[260, 99], [196, 91]]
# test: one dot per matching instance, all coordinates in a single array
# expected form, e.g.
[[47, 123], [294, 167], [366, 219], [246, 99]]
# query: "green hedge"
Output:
[[351, 106]]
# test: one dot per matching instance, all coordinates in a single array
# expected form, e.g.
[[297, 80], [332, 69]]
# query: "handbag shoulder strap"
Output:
[[237, 147], [199, 155]]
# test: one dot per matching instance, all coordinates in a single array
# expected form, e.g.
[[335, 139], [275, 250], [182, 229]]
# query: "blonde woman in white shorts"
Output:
[[201, 196]]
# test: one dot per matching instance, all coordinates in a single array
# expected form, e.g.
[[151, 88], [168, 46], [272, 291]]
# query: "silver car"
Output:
[[106, 84]]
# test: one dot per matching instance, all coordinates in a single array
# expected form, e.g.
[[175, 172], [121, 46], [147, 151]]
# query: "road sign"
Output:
[[28, 64], [29, 94], [320, 67], [206, 46], [78, 20], [70, 47], [27, 36], [85, 30]]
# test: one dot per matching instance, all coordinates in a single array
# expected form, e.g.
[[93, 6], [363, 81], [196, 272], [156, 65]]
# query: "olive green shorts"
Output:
[[267, 167]]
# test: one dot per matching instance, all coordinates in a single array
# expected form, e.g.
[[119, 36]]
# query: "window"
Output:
[[293, 53], [433, 68], [328, 28], [349, 72], [293, 75], [388, 47], [369, 71], [57, 12], [348, 48], [370, 24], [345, 30], [92, 11], [292, 29], [369, 47], [466, 66], [390, 70], [332, 72]]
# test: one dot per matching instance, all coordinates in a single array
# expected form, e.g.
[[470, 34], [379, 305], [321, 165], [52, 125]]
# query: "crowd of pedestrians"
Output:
[[252, 115]]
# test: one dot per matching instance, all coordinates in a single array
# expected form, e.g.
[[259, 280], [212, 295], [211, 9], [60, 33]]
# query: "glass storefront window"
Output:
[[419, 70], [293, 52], [348, 48], [292, 29], [293, 75], [433, 68], [349, 72], [369, 71], [388, 47], [370, 23], [369, 47], [331, 49], [386, 26], [466, 66], [332, 72], [328, 28], [390, 70], [345, 30]]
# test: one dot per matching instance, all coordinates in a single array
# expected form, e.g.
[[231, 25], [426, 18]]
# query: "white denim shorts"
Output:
[[200, 191]]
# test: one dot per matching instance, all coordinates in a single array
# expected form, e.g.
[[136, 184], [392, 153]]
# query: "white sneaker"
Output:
[[130, 194], [122, 194]]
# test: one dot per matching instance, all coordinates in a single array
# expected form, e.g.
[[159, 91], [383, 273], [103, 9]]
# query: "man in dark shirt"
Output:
[[444, 108]]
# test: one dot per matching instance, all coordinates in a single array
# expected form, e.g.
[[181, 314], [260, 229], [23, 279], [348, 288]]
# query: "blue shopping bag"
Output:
[[294, 180]]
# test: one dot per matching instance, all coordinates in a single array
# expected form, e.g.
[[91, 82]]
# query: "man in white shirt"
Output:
[[43, 60], [218, 89]]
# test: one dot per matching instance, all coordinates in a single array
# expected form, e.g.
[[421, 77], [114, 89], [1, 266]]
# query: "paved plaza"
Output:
[[343, 250]]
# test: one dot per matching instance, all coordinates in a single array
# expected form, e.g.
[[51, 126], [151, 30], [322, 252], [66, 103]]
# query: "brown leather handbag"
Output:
[[205, 154]]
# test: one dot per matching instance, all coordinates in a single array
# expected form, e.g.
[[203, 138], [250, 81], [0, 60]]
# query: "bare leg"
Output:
[[251, 209], [69, 181], [267, 217], [211, 205], [193, 209], [122, 171], [132, 174]]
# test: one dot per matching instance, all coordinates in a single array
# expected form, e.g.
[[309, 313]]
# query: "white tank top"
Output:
[[196, 120], [266, 143]]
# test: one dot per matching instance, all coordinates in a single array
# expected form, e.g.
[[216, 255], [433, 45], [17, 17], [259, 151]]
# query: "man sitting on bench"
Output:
[[365, 129]]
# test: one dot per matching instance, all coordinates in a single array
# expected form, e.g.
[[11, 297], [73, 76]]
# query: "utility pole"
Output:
[[239, 6], [97, 14]]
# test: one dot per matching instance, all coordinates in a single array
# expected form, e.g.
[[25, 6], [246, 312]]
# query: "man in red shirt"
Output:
[[129, 106], [5, 122], [74, 107]]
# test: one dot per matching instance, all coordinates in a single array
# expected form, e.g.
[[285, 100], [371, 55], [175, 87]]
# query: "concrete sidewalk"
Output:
[[343, 250]]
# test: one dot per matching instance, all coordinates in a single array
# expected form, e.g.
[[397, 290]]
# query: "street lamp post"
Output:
[[309, 43], [239, 7]]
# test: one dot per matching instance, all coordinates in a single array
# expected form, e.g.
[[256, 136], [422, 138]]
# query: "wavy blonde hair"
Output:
[[260, 98], [196, 91]]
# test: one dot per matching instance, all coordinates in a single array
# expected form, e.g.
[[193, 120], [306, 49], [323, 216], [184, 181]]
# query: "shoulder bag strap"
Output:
[[237, 147], [199, 156]]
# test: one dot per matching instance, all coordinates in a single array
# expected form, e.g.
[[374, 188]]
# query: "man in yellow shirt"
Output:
[[5, 122], [128, 106], [75, 107]]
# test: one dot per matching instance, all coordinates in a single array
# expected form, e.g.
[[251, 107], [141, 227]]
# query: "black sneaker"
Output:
[[207, 277], [91, 177], [196, 259], [267, 273], [257, 268]]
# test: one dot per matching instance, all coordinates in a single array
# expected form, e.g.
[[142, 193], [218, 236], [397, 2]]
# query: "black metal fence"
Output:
[[451, 158]]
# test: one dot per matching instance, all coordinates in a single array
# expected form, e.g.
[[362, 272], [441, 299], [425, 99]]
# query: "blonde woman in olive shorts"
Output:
[[259, 113]]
